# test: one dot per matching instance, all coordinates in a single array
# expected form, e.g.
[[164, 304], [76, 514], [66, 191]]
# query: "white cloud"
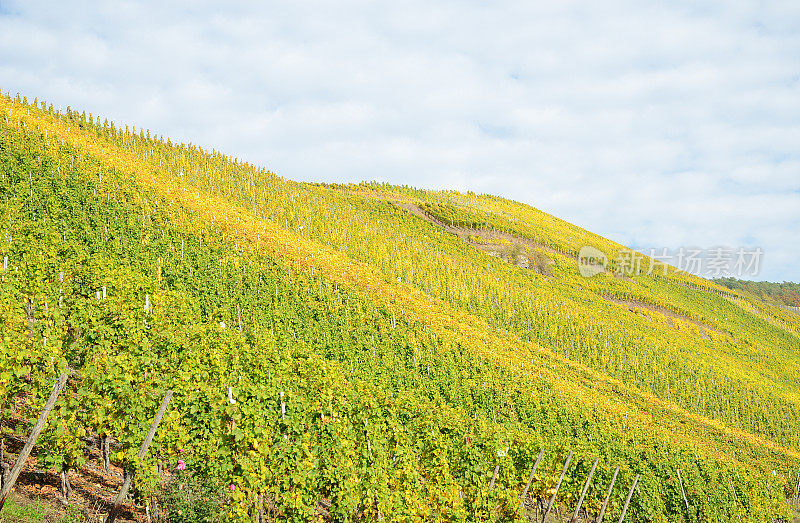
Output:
[[656, 125]]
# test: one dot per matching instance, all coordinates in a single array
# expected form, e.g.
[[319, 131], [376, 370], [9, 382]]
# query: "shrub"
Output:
[[186, 498]]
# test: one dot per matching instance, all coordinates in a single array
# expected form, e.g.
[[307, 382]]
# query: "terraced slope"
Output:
[[335, 356]]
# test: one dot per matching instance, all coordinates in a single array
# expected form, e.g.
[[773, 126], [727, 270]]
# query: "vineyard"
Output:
[[333, 357]]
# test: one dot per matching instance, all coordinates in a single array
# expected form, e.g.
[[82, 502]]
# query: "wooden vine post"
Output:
[[558, 486], [126, 484], [37, 429], [494, 476], [6, 469], [628, 499], [530, 478], [683, 492], [583, 492], [608, 496], [105, 443]]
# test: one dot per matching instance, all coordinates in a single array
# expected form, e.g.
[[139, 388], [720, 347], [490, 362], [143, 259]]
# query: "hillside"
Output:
[[370, 352]]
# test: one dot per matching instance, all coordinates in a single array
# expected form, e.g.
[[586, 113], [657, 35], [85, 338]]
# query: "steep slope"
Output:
[[379, 363]]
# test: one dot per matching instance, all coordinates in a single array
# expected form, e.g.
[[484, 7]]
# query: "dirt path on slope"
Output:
[[493, 237], [703, 328]]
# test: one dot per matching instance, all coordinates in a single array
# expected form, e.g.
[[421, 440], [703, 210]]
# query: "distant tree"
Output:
[[786, 293]]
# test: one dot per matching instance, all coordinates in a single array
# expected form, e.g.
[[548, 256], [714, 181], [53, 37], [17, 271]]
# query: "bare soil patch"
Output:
[[491, 241], [92, 488]]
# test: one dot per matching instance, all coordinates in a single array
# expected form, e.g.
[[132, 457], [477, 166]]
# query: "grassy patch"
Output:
[[20, 510]]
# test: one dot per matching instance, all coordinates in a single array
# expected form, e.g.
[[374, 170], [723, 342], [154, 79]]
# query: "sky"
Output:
[[656, 124]]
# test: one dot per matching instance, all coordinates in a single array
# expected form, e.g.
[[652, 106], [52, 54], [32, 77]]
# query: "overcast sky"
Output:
[[655, 124]]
